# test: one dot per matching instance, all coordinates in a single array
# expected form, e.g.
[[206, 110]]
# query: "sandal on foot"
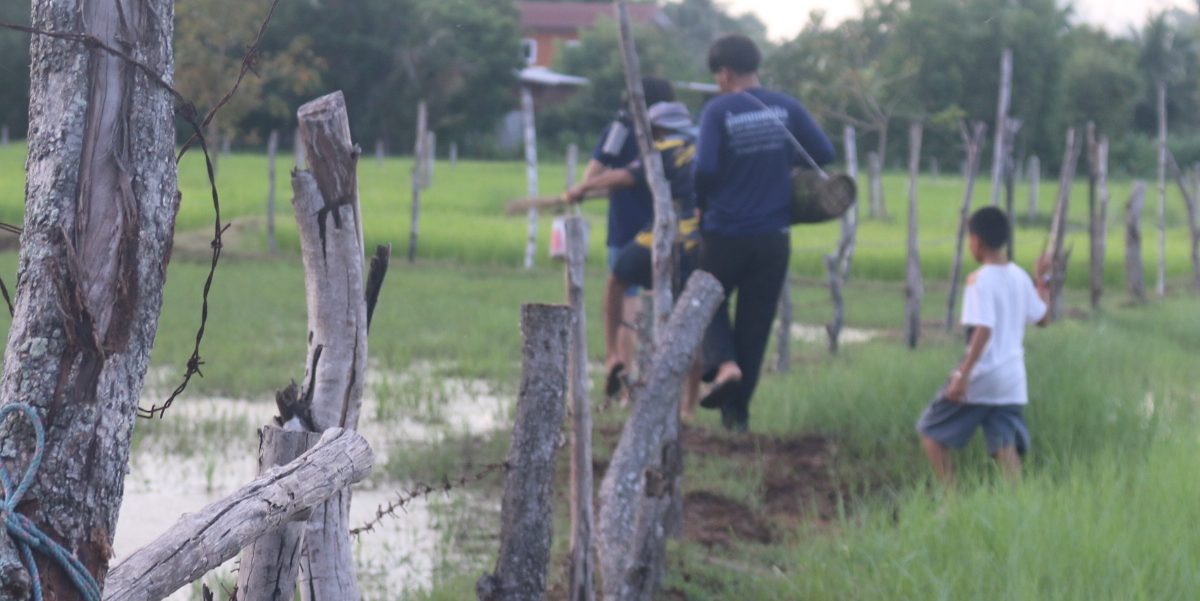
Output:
[[615, 379]]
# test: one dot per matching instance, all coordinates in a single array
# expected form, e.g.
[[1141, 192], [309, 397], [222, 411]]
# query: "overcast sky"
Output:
[[785, 18]]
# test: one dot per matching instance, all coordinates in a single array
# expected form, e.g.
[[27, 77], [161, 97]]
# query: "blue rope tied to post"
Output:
[[27, 536]]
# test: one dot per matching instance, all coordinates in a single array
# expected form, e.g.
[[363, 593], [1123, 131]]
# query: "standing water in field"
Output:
[[205, 448]]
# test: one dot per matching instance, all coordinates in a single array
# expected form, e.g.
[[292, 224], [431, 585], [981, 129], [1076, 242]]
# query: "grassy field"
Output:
[[1105, 511]]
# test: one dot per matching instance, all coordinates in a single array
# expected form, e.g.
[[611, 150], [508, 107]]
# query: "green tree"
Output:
[[1101, 82], [14, 69]]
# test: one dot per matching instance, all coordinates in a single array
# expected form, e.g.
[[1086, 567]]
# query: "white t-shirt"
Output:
[[1003, 299]]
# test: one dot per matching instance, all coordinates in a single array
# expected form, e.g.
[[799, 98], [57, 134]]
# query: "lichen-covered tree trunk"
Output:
[[101, 200]]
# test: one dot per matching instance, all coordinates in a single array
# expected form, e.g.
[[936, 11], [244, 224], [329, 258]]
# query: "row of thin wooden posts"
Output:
[[1099, 199]]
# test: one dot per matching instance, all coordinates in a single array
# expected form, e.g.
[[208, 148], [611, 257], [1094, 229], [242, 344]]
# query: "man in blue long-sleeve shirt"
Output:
[[745, 156]]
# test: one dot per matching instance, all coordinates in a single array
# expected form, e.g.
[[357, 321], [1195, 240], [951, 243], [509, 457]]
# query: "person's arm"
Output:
[[606, 179], [707, 166], [957, 391], [810, 135]]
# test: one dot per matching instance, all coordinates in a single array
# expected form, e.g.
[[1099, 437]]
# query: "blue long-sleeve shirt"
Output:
[[744, 161]]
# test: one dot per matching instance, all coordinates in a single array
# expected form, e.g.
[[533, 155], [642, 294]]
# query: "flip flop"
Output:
[[718, 395], [614, 381]]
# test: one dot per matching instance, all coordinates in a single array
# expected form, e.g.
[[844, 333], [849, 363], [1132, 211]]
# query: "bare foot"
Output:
[[728, 372]]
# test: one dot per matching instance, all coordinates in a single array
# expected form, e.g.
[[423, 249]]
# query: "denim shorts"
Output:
[[614, 253], [953, 424]]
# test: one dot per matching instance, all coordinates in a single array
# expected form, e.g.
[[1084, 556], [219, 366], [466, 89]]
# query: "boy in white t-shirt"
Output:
[[988, 388]]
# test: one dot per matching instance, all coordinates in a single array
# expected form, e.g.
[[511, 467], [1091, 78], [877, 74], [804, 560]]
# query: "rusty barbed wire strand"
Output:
[[186, 110], [422, 490]]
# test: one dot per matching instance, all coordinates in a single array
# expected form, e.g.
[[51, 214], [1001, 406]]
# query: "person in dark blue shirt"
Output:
[[746, 152], [630, 210]]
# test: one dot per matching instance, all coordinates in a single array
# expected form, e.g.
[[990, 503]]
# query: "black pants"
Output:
[[754, 267]]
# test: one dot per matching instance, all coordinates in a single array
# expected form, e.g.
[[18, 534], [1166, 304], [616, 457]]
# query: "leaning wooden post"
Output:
[[1161, 287], [531, 172], [1190, 202], [1058, 224], [876, 210], [100, 204], [270, 565], [664, 206], [1035, 183], [998, 151], [331, 245], [379, 150], [527, 508], [418, 181], [453, 154], [202, 541], [272, 150], [1134, 266], [638, 484], [972, 142], [430, 157], [915, 287], [580, 581], [837, 265]]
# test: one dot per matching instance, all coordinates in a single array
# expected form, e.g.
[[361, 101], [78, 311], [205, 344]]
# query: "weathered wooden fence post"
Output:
[[572, 163], [1058, 225], [1189, 202], [877, 208], [1035, 184], [1134, 266], [418, 180], [453, 154], [915, 286], [639, 483], [999, 133], [272, 151], [972, 142], [1099, 223], [100, 204], [837, 265], [1011, 128], [531, 171], [270, 565], [298, 158], [430, 156], [1161, 286], [331, 244], [527, 509], [583, 519], [379, 150], [783, 339]]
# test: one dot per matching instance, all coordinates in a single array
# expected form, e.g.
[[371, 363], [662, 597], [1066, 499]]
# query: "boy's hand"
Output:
[[1043, 267], [956, 391]]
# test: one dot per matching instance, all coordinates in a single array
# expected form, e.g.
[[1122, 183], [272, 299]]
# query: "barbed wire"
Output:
[[186, 110], [420, 491]]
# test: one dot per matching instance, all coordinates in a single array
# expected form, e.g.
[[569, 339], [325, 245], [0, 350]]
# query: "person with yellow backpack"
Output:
[[675, 139]]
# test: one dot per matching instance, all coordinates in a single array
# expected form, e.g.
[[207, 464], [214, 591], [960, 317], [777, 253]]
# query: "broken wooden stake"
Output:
[[1001, 126], [331, 245], [877, 209], [1058, 224], [526, 510], [201, 541], [1035, 185], [643, 438], [837, 265], [1098, 215], [270, 565]]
